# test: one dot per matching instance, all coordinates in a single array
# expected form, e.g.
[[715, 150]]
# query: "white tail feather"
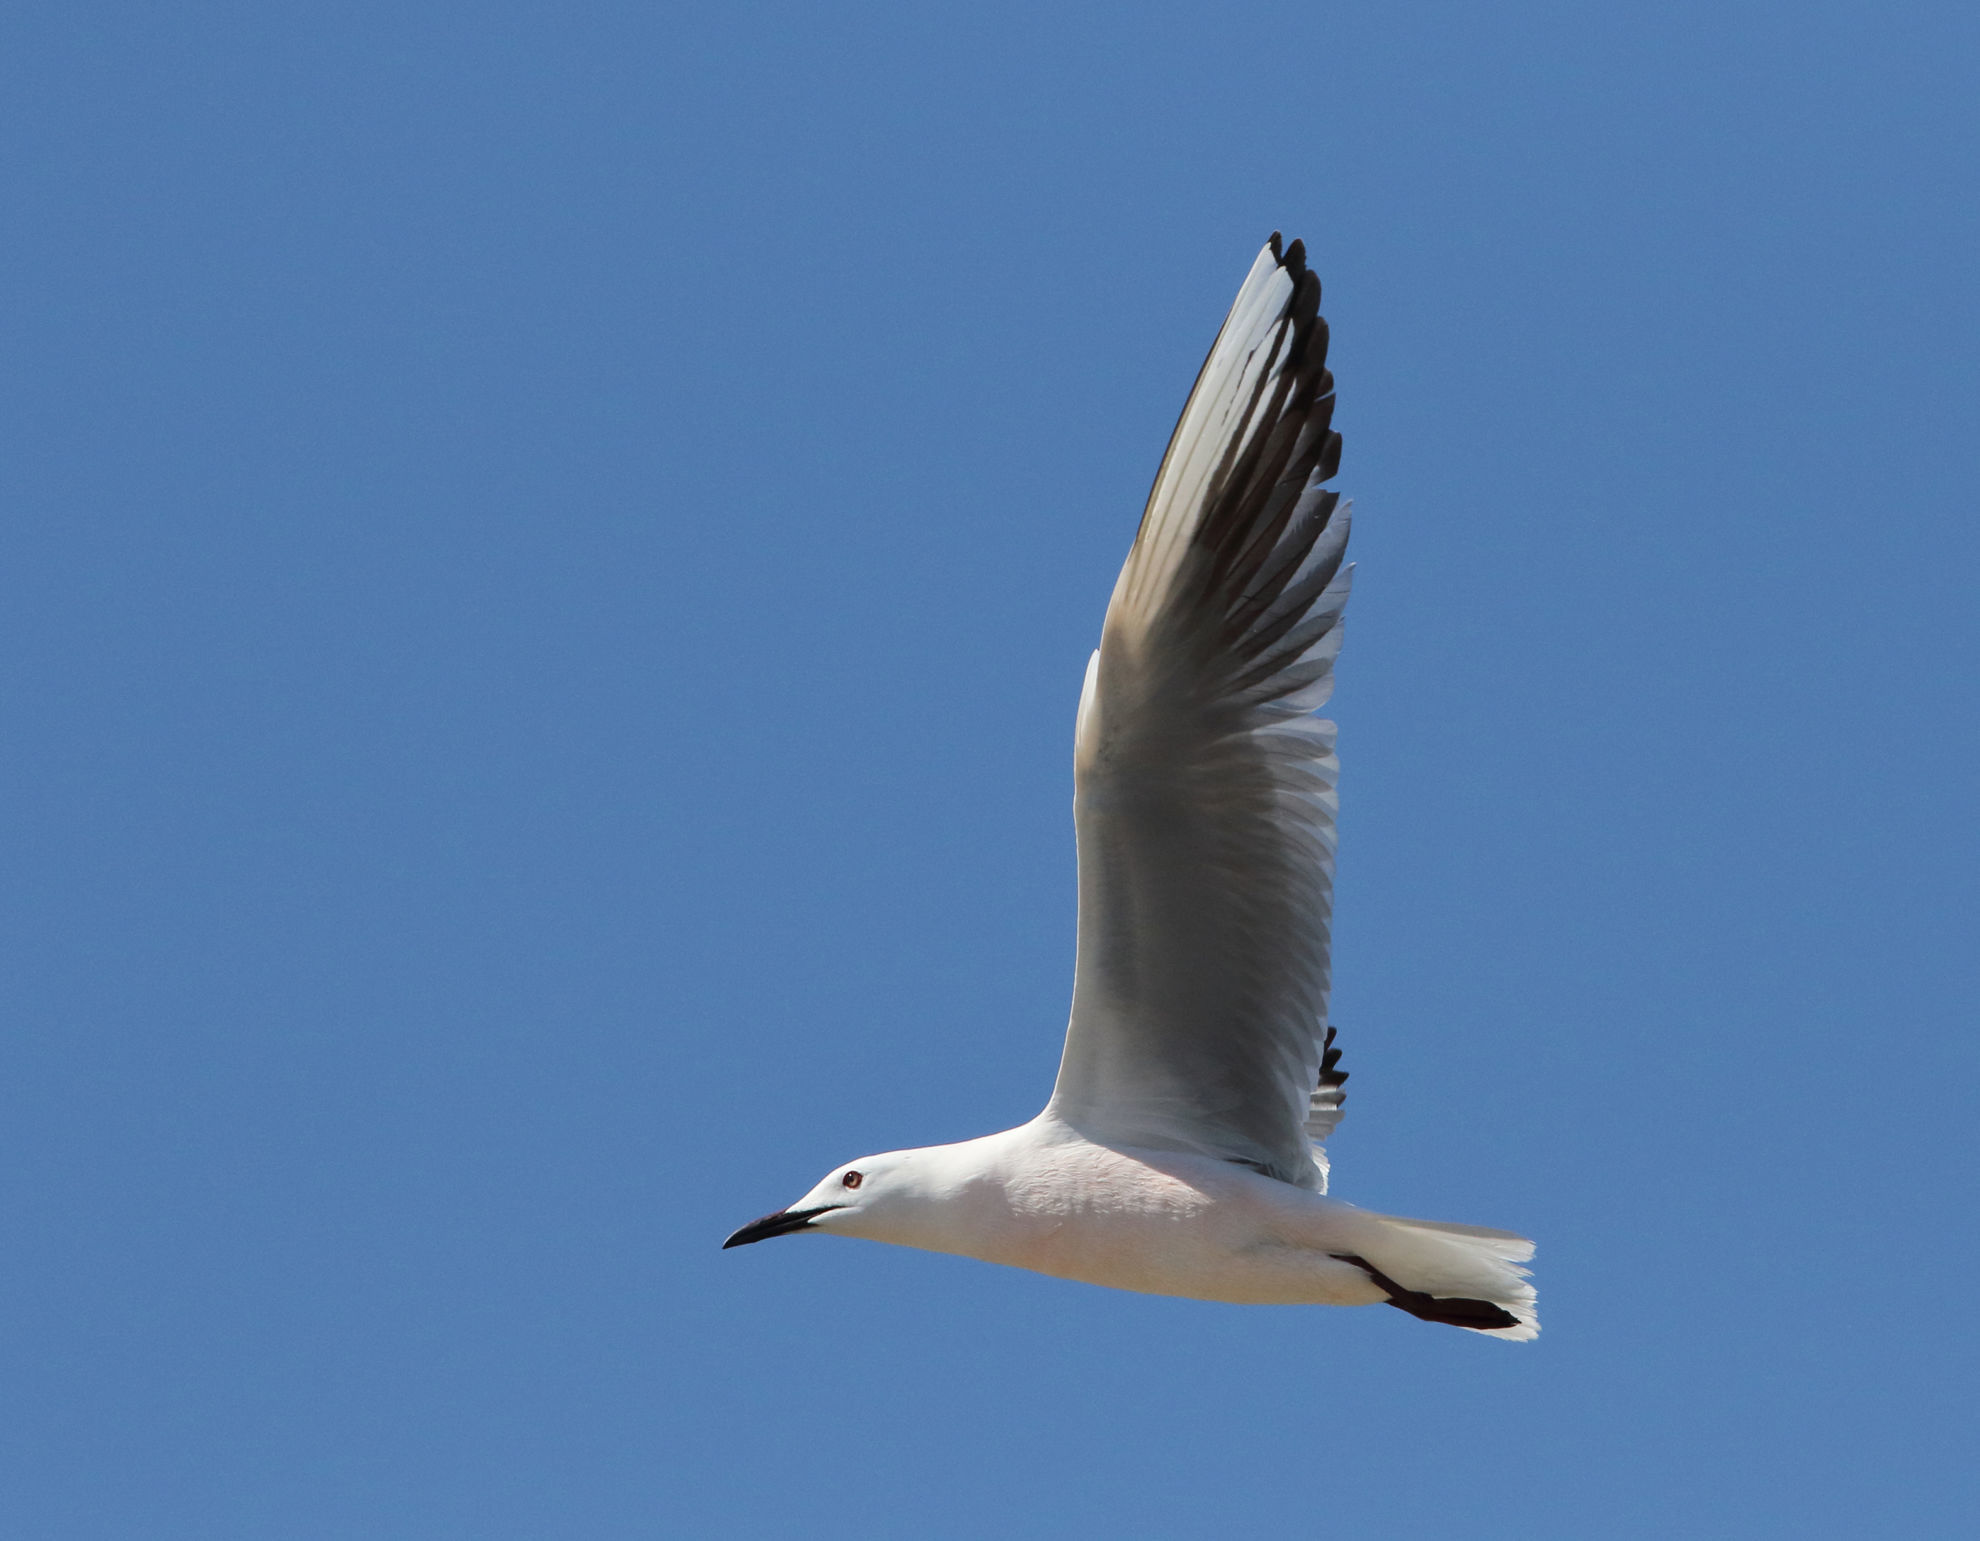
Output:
[[1454, 1261]]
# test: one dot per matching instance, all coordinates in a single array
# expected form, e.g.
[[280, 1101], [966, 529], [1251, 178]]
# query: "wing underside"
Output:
[[1205, 786]]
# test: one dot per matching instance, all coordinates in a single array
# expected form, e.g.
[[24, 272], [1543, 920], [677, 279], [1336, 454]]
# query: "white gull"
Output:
[[1180, 1152]]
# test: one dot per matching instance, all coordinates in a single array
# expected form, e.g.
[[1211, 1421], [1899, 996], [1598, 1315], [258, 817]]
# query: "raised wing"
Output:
[[1205, 786]]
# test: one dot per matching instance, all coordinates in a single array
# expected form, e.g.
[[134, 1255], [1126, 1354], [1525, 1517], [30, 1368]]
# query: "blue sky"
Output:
[[549, 553]]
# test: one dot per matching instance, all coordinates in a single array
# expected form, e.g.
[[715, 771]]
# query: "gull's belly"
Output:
[[1166, 1225]]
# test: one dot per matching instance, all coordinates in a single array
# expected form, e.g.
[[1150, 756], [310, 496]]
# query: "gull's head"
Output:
[[876, 1197]]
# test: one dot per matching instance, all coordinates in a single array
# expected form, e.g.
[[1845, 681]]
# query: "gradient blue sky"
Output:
[[548, 557]]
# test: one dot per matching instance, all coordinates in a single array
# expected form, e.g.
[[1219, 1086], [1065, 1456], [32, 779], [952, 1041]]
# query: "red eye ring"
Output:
[[851, 1180]]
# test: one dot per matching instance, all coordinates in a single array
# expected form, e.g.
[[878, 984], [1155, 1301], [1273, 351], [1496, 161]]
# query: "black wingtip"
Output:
[[1330, 1057], [1330, 458], [1292, 258]]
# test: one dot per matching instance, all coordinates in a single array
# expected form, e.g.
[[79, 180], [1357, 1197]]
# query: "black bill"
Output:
[[781, 1223]]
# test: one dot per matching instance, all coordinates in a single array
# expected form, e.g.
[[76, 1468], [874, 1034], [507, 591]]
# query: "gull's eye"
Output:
[[852, 1180]]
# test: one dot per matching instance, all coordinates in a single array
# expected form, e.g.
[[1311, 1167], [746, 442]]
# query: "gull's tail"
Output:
[[1464, 1275]]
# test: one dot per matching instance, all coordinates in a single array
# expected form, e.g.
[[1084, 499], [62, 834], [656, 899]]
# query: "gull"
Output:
[[1181, 1151]]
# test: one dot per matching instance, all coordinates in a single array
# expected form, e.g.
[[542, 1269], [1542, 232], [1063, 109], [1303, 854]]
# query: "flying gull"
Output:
[[1180, 1153]]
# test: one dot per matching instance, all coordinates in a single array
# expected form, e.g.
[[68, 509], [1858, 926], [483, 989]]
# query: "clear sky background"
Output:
[[548, 554]]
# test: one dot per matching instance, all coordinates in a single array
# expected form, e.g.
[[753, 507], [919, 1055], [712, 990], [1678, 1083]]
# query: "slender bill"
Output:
[[780, 1223]]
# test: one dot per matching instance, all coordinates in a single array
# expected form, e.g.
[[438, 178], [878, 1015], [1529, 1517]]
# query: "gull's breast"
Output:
[[1162, 1223]]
